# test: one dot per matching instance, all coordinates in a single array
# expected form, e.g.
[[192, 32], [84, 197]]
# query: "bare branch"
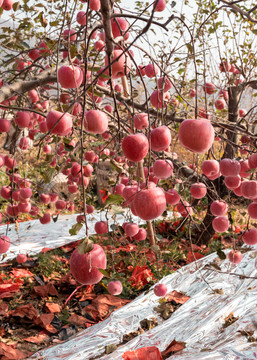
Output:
[[242, 12], [21, 87]]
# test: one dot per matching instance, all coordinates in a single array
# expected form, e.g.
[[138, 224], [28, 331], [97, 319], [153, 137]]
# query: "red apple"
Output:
[[192, 93], [235, 256], [70, 35], [229, 167], [232, 182], [209, 88], [45, 219], [198, 190], [159, 99], [252, 210], [242, 112], [250, 237], [21, 258], [70, 77], [114, 287], [164, 84], [160, 5], [218, 208], [141, 235], [5, 125], [96, 122], [163, 169], [150, 203], [119, 26], [59, 123], [151, 70], [196, 135], [220, 104], [121, 64], [81, 18], [60, 205], [225, 66], [160, 138], [131, 229], [135, 147], [101, 227], [210, 167], [249, 189], [84, 266], [184, 209], [220, 224], [5, 244], [22, 119], [172, 197], [94, 5]]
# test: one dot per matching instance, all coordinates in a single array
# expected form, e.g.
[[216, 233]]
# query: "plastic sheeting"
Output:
[[31, 236], [198, 322]]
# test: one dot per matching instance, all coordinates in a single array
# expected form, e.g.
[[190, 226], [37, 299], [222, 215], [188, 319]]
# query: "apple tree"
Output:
[[162, 95]]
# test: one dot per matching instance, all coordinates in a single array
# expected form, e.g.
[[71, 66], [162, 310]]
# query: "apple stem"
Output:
[[70, 296]]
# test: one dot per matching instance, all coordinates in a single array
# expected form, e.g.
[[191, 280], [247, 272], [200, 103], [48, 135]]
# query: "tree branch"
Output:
[[21, 87], [106, 13], [239, 10]]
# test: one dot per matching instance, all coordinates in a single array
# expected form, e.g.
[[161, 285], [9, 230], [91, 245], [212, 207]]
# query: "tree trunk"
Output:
[[206, 231]]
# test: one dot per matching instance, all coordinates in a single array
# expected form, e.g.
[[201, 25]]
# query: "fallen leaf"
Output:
[[229, 320], [2, 331], [9, 288], [66, 333], [110, 348], [7, 295], [3, 308], [149, 353], [192, 256], [44, 321], [141, 276], [21, 273], [25, 311], [44, 250], [44, 290], [7, 352], [103, 304], [77, 320], [218, 291], [173, 347], [38, 339], [179, 298], [53, 307]]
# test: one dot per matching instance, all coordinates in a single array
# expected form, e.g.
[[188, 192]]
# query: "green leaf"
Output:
[[114, 199], [117, 167], [48, 175], [221, 254], [24, 44], [116, 210], [55, 218], [54, 23], [16, 6], [75, 229], [105, 273]]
